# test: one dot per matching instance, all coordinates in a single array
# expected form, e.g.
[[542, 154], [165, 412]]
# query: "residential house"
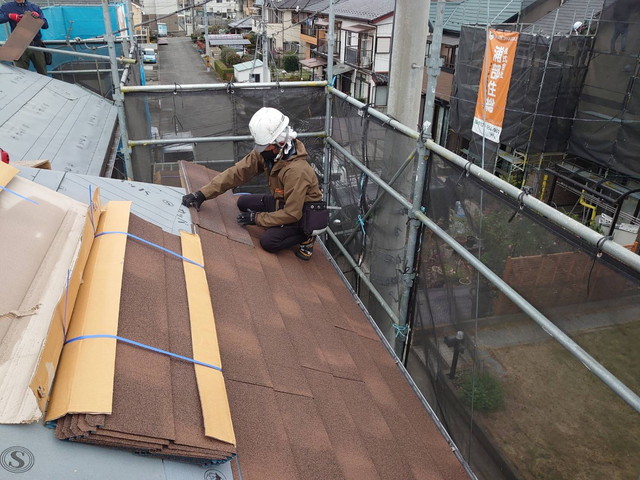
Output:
[[362, 47]]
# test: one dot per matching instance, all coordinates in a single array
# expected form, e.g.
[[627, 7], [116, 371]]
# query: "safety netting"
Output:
[[545, 83], [515, 401], [213, 113], [607, 122]]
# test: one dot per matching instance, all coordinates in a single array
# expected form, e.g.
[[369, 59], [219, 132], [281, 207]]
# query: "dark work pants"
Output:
[[35, 57], [273, 238]]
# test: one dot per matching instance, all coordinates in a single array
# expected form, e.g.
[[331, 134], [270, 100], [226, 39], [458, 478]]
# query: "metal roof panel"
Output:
[[41, 117]]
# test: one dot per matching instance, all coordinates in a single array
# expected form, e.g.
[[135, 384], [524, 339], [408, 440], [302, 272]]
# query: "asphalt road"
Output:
[[193, 114]]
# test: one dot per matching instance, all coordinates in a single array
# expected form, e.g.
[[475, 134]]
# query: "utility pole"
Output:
[[391, 266], [207, 48], [434, 62], [265, 44]]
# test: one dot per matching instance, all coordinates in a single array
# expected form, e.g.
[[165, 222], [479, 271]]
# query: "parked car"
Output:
[[149, 55]]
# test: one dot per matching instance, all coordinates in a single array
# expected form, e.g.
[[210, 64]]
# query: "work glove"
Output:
[[35, 14], [194, 199], [15, 17], [247, 218]]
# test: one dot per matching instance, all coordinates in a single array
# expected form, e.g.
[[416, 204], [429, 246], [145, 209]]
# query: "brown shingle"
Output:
[[313, 392]]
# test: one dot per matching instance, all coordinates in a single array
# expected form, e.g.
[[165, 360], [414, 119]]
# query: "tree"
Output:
[[291, 63]]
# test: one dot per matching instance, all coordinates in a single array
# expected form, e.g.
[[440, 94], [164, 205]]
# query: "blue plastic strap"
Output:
[[153, 245], [91, 209], [18, 195], [401, 330], [361, 223], [148, 347]]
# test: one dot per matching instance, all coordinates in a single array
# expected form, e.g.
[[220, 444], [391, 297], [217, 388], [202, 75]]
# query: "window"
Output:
[[274, 16], [382, 95], [383, 45]]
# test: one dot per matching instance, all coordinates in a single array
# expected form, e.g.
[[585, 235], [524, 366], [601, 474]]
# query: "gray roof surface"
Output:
[[457, 13], [44, 118], [157, 204], [472, 12], [366, 10], [568, 13]]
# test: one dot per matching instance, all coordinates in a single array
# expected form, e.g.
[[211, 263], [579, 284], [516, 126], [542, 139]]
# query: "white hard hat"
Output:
[[266, 125]]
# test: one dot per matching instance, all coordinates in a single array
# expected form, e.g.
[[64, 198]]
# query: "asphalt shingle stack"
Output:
[[313, 392], [156, 404]]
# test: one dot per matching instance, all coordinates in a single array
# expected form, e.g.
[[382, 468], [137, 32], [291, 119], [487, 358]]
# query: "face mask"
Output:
[[269, 158]]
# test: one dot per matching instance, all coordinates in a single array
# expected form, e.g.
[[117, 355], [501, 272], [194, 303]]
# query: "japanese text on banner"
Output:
[[494, 84]]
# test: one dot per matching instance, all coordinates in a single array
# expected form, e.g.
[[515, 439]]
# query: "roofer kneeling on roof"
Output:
[[293, 214]]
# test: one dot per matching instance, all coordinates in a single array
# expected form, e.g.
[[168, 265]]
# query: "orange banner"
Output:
[[494, 84]]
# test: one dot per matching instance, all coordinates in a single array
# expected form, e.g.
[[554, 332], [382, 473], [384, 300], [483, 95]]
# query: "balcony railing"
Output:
[[358, 58], [323, 48]]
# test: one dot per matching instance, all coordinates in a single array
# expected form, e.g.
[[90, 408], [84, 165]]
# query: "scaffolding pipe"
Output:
[[234, 138], [217, 86], [549, 327], [379, 198], [100, 70], [326, 170], [117, 95], [364, 278], [105, 58], [408, 271]]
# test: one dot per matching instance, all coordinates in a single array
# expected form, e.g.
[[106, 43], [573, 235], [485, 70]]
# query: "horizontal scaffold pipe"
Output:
[[549, 327], [236, 138], [603, 243], [217, 86], [387, 120], [73, 53]]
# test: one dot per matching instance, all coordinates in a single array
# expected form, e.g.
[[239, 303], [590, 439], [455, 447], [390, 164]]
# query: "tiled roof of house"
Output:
[[472, 12], [366, 10]]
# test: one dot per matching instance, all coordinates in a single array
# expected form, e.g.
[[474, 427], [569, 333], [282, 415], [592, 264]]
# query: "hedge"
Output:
[[223, 71]]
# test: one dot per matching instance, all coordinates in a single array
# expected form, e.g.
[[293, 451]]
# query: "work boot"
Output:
[[305, 249]]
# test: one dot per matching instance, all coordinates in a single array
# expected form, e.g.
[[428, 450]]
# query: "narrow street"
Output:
[[194, 114]]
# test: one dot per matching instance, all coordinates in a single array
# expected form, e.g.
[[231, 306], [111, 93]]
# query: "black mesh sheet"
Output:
[[207, 113], [370, 223], [543, 92], [516, 403], [607, 125]]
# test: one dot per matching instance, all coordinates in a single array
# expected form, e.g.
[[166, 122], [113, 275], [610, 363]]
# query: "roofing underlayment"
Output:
[[44, 118], [157, 204], [313, 392]]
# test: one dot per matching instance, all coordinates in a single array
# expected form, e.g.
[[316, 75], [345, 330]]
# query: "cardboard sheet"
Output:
[[84, 381], [41, 233], [7, 172], [211, 387], [48, 363]]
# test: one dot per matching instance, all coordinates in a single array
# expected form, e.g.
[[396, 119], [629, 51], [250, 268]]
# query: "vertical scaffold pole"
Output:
[[409, 269], [326, 172], [117, 94]]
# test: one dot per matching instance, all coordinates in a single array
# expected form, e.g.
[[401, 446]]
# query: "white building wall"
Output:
[[279, 33], [384, 31], [160, 7], [224, 8]]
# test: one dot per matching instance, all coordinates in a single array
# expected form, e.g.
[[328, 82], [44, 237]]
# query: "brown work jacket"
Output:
[[291, 181]]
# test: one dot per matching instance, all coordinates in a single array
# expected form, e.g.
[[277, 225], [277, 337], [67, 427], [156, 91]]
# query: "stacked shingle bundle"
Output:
[[156, 401]]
